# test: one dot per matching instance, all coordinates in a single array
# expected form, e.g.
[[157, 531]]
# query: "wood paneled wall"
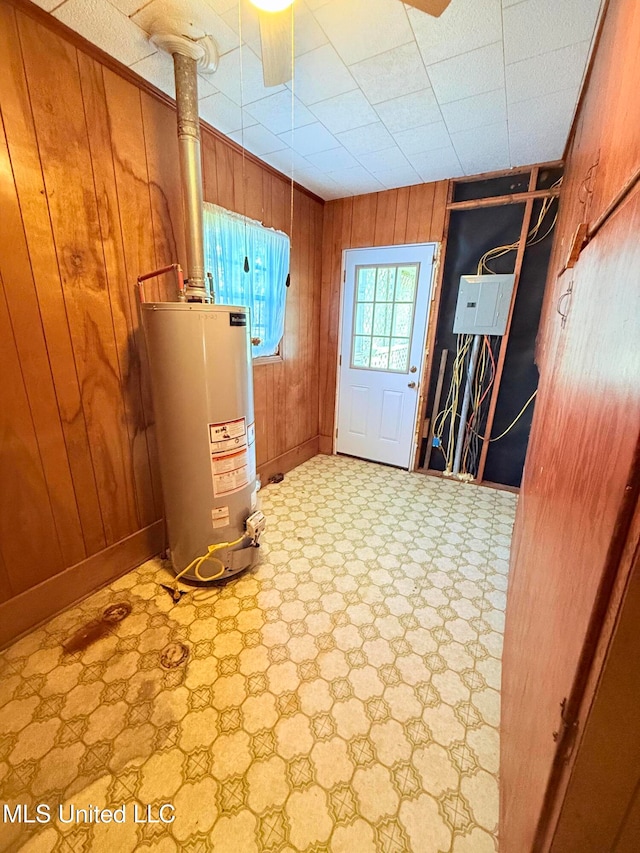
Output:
[[582, 472], [90, 197], [414, 214]]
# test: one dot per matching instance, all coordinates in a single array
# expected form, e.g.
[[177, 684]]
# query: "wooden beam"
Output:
[[504, 343], [504, 173], [436, 407], [513, 198], [432, 327]]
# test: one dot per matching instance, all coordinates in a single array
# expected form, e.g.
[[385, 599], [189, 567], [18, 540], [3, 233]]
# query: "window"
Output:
[[228, 239], [385, 299]]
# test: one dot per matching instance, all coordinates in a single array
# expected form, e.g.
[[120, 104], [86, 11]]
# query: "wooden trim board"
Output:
[[289, 460], [31, 608]]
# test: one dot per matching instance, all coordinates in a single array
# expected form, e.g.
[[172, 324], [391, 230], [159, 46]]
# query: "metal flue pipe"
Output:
[[191, 171]]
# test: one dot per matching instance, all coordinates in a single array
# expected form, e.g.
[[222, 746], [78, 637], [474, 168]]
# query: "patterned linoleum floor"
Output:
[[342, 696]]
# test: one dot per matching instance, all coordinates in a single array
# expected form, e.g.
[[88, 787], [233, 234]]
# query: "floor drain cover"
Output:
[[116, 612], [173, 655]]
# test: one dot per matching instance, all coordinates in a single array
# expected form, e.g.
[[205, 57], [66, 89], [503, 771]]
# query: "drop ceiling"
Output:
[[383, 96]]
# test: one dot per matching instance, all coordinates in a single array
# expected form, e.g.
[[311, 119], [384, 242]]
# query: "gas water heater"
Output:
[[201, 377], [201, 370]]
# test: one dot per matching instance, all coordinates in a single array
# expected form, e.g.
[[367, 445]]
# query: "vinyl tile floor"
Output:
[[340, 696]]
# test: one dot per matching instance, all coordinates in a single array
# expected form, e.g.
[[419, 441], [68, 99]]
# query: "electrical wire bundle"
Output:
[[484, 376], [450, 411], [533, 236], [482, 383]]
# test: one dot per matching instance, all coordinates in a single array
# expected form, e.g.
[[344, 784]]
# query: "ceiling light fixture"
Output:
[[272, 5]]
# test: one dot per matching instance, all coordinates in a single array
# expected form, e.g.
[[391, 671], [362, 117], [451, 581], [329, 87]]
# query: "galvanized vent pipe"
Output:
[[188, 56]]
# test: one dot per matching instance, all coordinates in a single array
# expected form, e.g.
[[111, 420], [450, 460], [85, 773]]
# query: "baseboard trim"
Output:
[[31, 608], [289, 460], [326, 445]]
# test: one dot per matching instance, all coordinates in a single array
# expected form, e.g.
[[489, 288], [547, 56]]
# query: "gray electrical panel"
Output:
[[483, 304]]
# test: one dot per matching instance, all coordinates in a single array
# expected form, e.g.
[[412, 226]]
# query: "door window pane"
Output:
[[403, 320], [385, 284], [380, 353], [366, 284], [407, 280], [361, 351], [364, 318], [383, 317]]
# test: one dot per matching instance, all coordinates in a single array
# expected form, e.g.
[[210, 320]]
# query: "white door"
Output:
[[384, 320]]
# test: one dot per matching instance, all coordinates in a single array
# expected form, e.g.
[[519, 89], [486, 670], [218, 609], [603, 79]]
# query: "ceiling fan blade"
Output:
[[275, 34], [431, 7]]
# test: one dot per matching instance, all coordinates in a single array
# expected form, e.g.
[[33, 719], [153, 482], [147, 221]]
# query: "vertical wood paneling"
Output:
[[363, 223], [27, 527], [27, 174], [385, 225], [124, 110], [165, 190], [91, 197], [63, 144], [22, 304], [573, 512], [120, 289], [409, 215]]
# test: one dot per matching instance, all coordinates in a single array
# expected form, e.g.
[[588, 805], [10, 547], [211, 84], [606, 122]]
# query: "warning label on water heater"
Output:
[[232, 456], [228, 437]]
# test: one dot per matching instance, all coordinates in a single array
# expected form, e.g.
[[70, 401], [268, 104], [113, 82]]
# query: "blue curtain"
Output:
[[228, 239]]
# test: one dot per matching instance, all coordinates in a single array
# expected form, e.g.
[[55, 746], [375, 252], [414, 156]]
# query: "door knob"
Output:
[[412, 385], [413, 369]]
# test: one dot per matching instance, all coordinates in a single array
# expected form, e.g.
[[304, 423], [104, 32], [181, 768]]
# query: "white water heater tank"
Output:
[[201, 378]]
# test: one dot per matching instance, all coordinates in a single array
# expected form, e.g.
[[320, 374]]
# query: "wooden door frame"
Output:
[[425, 361]]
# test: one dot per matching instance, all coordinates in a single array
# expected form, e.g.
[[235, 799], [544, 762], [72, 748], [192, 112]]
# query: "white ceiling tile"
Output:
[[483, 149], [105, 26], [258, 139], [487, 108], [316, 4], [384, 161], [321, 74], [472, 73], [368, 28], [243, 85], [538, 147], [356, 181], [308, 34], [329, 161], [391, 74], [539, 26], [417, 140], [205, 84], [558, 69], [345, 112], [222, 6], [407, 111], [287, 161], [50, 5], [463, 26], [223, 113], [365, 140], [403, 177], [546, 115], [310, 139], [197, 16], [275, 112], [436, 165], [318, 182], [157, 69], [329, 195]]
